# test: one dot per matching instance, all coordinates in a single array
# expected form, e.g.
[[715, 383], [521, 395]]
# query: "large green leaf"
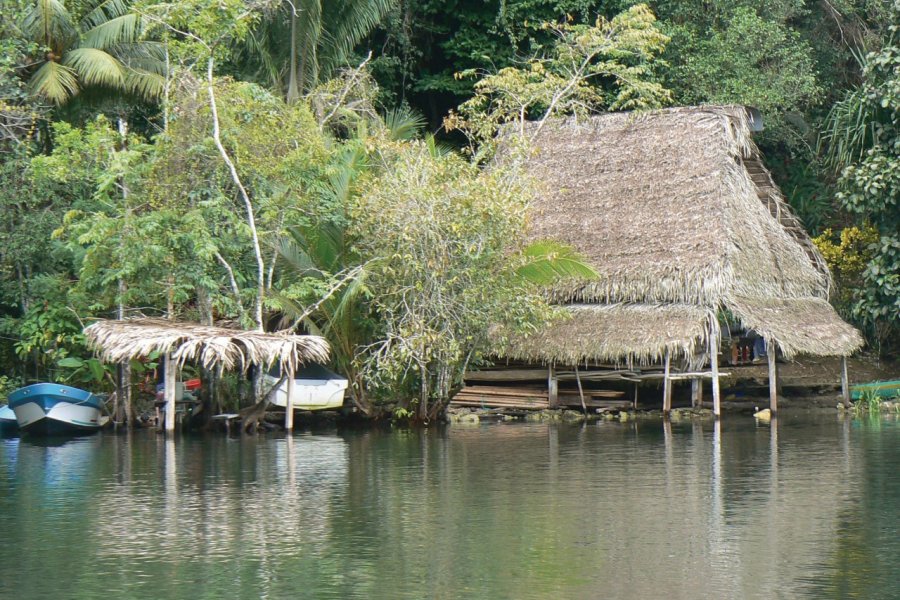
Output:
[[547, 261]]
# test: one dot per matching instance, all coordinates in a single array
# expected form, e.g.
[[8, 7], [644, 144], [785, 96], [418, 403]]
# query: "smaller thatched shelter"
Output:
[[119, 341], [212, 347]]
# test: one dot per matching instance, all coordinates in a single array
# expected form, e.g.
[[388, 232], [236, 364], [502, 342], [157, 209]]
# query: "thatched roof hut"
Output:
[[674, 207], [120, 341]]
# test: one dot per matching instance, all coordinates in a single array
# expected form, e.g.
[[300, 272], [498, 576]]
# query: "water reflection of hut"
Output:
[[676, 212], [211, 347]]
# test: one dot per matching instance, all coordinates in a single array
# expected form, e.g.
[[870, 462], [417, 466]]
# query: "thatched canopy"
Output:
[[675, 207], [798, 325], [607, 333], [119, 341]]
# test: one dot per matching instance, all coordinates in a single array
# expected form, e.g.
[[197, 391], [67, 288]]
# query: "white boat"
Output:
[[51, 408], [315, 388]]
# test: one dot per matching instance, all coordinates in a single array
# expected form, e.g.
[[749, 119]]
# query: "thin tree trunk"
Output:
[[124, 391], [248, 205], [293, 90]]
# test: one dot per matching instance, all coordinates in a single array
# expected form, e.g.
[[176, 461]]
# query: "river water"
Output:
[[804, 508]]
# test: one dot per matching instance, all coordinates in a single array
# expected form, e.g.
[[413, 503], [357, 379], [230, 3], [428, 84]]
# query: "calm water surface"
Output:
[[805, 509]]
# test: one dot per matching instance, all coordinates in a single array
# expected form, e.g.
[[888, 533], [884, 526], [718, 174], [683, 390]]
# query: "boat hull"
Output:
[[883, 389], [52, 408], [312, 394]]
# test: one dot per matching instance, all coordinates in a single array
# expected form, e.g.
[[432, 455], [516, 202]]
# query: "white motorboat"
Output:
[[315, 388]]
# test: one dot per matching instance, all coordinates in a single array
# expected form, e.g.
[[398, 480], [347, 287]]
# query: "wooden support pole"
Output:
[[773, 377], [289, 405], [714, 367], [636, 388], [171, 377], [667, 388], [696, 393], [845, 383], [552, 388]]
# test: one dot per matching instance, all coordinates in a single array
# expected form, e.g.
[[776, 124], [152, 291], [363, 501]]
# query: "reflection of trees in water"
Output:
[[506, 510], [864, 562], [214, 512]]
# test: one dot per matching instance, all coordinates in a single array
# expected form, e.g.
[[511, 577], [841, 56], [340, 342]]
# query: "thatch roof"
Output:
[[674, 206], [798, 325], [612, 333], [664, 207], [119, 341]]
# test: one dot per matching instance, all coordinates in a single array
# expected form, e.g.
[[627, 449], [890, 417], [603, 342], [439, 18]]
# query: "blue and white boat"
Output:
[[8, 421], [52, 408]]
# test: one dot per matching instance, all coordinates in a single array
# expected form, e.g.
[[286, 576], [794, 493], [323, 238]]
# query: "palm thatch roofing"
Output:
[[119, 341], [605, 333], [675, 207]]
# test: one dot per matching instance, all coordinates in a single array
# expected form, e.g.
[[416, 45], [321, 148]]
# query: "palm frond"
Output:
[[547, 261], [103, 12], [291, 249], [403, 123], [144, 84], [48, 23], [96, 67], [55, 82], [347, 27], [437, 149], [849, 129], [125, 28]]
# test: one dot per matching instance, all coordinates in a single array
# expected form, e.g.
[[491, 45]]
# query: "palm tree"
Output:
[[306, 41], [104, 48]]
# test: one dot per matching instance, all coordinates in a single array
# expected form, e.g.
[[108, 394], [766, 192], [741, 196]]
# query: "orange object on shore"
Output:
[[192, 384]]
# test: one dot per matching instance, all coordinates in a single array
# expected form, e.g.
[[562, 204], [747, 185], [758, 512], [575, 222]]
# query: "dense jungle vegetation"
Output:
[[318, 165]]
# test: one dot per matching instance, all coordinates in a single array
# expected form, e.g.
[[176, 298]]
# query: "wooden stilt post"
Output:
[[171, 377], [636, 388], [714, 366], [289, 405], [552, 388], [667, 388], [845, 383], [773, 377], [696, 393]]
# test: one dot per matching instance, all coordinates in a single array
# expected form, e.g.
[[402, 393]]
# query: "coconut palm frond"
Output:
[[55, 82], [124, 28], [96, 67], [48, 23], [144, 84], [103, 12], [547, 261]]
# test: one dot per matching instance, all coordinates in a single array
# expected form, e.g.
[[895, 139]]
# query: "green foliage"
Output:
[[301, 44], [869, 401], [81, 371], [863, 140], [547, 261], [444, 242], [742, 53], [103, 46], [610, 64]]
